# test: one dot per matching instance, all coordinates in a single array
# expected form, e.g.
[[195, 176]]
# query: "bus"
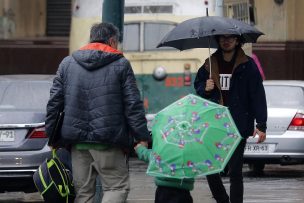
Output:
[[163, 74]]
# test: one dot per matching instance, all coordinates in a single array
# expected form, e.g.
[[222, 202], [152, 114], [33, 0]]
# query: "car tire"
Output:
[[257, 168]]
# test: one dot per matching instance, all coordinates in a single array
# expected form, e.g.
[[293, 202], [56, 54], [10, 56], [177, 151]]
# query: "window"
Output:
[[284, 96], [153, 33], [133, 9], [158, 9], [24, 95], [252, 12], [148, 9], [58, 19], [131, 37], [238, 11]]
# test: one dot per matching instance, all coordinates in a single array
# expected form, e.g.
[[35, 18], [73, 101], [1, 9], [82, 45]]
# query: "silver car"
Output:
[[23, 143], [285, 127]]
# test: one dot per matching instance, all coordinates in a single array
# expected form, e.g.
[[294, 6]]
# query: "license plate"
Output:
[[259, 148], [7, 136]]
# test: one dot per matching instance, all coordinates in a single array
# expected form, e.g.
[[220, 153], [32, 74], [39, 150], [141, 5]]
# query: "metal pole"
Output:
[[206, 4], [113, 12]]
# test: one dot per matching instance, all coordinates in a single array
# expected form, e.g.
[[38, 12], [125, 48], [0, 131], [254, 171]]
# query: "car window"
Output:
[[284, 96], [24, 95]]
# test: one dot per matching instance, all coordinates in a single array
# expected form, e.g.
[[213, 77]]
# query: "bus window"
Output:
[[133, 9], [153, 33], [167, 9], [158, 9], [131, 37]]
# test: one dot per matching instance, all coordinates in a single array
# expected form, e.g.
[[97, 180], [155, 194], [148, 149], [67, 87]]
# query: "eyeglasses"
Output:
[[229, 38]]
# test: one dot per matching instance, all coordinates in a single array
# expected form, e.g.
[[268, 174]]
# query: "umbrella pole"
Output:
[[210, 70]]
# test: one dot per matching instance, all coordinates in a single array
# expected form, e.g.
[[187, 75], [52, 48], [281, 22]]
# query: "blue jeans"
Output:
[[236, 179]]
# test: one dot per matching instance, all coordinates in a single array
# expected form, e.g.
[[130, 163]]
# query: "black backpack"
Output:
[[54, 181]]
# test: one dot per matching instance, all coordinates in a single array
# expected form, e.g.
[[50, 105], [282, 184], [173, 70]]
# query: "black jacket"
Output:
[[247, 100], [97, 87]]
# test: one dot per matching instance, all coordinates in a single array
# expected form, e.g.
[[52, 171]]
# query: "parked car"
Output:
[[23, 143], [285, 131]]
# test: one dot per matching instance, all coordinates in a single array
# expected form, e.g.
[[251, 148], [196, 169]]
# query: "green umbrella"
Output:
[[192, 137]]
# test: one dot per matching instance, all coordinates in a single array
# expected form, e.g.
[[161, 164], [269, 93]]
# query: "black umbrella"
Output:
[[200, 32]]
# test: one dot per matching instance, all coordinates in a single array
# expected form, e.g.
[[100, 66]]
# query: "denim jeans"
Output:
[[236, 179]]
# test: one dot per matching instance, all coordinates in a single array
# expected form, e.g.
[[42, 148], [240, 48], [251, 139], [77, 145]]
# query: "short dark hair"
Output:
[[102, 32]]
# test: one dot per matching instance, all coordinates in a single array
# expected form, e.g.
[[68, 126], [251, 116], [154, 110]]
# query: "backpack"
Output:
[[54, 181]]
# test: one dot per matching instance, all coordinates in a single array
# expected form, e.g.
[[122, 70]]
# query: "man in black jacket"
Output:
[[234, 81], [97, 89]]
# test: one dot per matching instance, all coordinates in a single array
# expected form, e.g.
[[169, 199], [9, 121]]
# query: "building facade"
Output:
[[281, 49], [34, 34]]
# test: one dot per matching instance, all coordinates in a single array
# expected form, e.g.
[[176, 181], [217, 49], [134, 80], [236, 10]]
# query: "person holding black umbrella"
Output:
[[230, 78], [234, 81]]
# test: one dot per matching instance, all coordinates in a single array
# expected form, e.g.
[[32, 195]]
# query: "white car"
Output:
[[285, 127]]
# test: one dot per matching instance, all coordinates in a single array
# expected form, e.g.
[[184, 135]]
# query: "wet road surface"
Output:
[[278, 184]]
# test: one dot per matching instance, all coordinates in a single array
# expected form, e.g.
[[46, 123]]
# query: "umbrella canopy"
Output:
[[199, 32], [192, 137]]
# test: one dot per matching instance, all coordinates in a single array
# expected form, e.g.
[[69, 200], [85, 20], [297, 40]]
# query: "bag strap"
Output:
[[61, 168], [54, 153]]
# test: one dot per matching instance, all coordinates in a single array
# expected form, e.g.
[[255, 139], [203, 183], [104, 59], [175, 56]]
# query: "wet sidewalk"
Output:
[[143, 187], [143, 190], [279, 184]]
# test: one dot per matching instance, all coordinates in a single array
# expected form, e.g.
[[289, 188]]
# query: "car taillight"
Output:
[[297, 122], [37, 133]]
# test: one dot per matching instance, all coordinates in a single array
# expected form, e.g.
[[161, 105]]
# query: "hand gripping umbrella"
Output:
[[192, 137]]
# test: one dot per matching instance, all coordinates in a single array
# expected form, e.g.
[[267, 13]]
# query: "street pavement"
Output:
[[279, 184]]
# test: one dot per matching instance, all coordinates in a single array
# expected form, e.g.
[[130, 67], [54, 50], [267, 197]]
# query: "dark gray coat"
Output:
[[97, 87]]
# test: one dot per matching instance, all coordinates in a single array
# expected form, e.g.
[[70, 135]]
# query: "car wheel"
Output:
[[257, 168]]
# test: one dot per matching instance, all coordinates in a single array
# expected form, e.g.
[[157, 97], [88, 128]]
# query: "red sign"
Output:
[[174, 81]]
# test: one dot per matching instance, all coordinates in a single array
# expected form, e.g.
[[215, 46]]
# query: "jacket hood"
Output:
[[96, 55]]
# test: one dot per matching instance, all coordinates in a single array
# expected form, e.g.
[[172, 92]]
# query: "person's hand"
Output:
[[262, 135], [143, 143], [53, 147], [136, 146], [209, 85]]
